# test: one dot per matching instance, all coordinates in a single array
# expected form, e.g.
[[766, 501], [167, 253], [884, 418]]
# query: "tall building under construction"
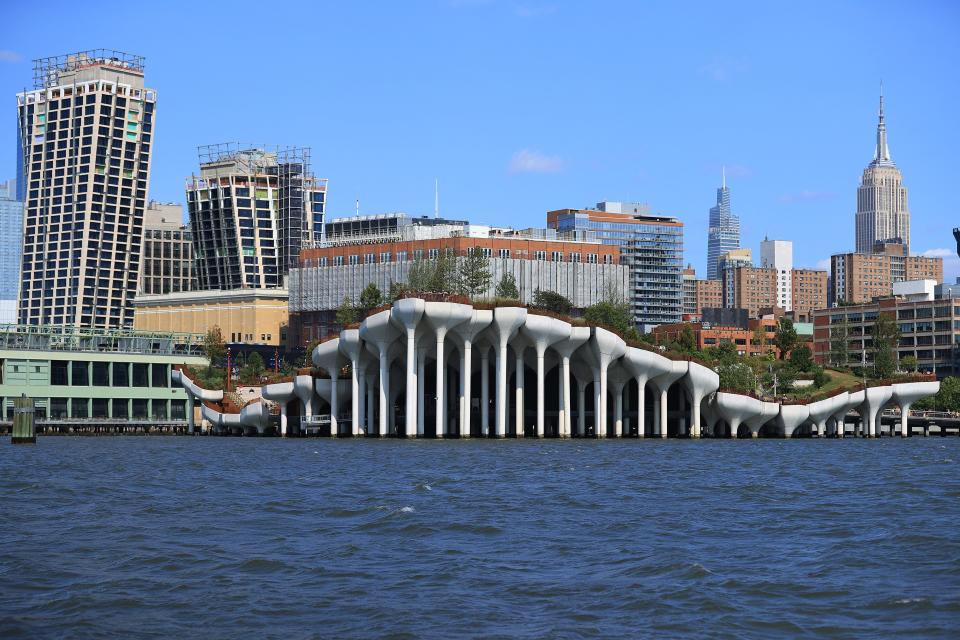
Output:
[[85, 133], [252, 209]]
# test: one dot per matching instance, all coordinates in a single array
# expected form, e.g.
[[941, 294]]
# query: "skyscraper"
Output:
[[883, 215], [651, 245], [251, 211], [11, 235], [778, 255], [85, 132], [723, 234]]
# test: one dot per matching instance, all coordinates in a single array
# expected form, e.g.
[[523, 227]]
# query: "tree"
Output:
[[786, 338], [370, 298], [213, 347], [820, 377], [420, 276], [839, 339], [725, 353], [475, 273], [397, 289], [886, 336], [254, 368], [759, 338], [507, 287], [687, 341], [909, 363], [615, 316], [801, 358], [346, 313], [444, 276], [737, 377], [552, 301], [947, 399], [613, 292]]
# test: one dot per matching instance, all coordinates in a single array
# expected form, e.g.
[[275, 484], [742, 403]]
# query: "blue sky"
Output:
[[518, 106]]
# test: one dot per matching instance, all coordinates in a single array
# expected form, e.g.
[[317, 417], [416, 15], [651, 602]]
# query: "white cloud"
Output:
[[939, 253], [721, 69], [823, 265], [529, 161], [9, 56], [806, 196]]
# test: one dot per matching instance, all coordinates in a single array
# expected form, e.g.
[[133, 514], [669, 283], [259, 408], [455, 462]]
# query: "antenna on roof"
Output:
[[358, 207], [436, 198]]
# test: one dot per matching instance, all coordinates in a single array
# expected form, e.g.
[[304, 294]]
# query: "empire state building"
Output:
[[883, 215]]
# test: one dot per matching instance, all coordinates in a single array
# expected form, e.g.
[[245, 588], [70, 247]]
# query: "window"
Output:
[[368, 259], [354, 259], [540, 255], [575, 257], [385, 256], [504, 253]]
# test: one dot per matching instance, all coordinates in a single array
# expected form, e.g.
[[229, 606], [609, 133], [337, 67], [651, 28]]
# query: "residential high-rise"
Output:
[[167, 264], [860, 277], [85, 132], [883, 215], [728, 264], [723, 234], [778, 255], [252, 209], [651, 245], [809, 293], [11, 237]]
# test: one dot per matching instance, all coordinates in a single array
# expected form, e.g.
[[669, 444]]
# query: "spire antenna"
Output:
[[436, 198], [723, 170]]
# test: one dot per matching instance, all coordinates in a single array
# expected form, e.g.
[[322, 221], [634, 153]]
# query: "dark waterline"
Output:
[[228, 538]]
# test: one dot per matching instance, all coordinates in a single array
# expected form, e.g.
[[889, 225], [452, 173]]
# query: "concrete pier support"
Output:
[[661, 384], [905, 394], [543, 332], [874, 401], [519, 388], [468, 331], [407, 313], [606, 347], [485, 391], [191, 420], [565, 348], [506, 322], [644, 365], [380, 334], [700, 382], [790, 417]]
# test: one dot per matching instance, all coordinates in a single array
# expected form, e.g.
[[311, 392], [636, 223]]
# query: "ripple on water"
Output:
[[354, 539]]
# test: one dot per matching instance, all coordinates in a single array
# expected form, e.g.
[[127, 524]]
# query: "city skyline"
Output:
[[794, 130]]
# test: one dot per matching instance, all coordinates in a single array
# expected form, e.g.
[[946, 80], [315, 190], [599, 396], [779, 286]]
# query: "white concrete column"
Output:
[[602, 422], [384, 391], [641, 406], [421, 390], [501, 425], [360, 419], [354, 396], [566, 423], [541, 395], [441, 426], [283, 419], [519, 383], [485, 392], [464, 403], [663, 413], [410, 420], [618, 412], [191, 422], [695, 424], [905, 420], [334, 422]]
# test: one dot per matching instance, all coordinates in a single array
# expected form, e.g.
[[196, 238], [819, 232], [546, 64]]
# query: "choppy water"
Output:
[[230, 537]]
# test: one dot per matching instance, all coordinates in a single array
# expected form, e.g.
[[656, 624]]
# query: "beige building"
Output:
[[248, 316], [883, 214], [751, 288], [166, 265], [708, 294], [809, 293], [861, 277]]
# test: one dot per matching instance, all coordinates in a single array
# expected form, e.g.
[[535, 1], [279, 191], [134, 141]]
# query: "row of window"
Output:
[[432, 254]]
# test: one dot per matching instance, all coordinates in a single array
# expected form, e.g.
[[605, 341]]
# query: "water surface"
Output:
[[244, 537]]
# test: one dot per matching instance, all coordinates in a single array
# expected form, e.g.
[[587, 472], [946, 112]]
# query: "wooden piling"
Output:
[[24, 431]]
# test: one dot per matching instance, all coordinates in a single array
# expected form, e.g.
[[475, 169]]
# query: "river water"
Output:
[[244, 537]]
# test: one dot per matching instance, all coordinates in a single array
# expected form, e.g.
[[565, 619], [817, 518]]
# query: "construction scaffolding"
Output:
[[46, 71]]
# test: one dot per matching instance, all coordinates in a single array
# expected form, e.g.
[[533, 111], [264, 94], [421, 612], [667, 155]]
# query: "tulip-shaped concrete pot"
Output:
[[644, 365], [768, 411], [606, 347], [479, 320], [565, 349], [790, 417], [701, 382], [327, 356], [281, 393], [506, 323], [736, 409], [874, 401], [379, 333], [906, 393], [543, 332], [661, 385]]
